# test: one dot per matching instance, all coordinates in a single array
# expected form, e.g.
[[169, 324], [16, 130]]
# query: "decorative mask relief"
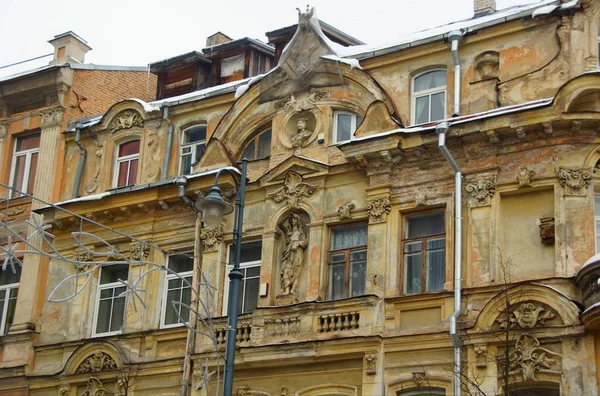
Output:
[[345, 210], [293, 190], [371, 363], [528, 357], [574, 180], [481, 356], [292, 260], [526, 315], [125, 120], [139, 251], [211, 237], [480, 191], [97, 362], [487, 65]]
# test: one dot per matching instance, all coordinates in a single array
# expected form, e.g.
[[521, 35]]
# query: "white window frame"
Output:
[[101, 287], [598, 45], [427, 92], [596, 221], [28, 154], [4, 317], [248, 264], [166, 305], [125, 158], [193, 146], [353, 125]]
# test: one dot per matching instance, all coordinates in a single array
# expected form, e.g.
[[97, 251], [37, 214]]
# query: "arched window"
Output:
[[429, 97], [193, 141], [344, 125], [126, 164], [535, 390], [423, 392], [259, 146]]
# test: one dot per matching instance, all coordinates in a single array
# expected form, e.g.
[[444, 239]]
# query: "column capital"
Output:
[[3, 129], [51, 117]]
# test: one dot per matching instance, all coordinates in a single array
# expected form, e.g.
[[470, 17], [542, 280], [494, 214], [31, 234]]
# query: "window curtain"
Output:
[[349, 237]]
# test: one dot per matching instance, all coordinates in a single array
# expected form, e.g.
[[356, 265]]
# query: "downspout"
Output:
[[455, 36], [181, 182], [80, 164], [442, 129], [170, 128]]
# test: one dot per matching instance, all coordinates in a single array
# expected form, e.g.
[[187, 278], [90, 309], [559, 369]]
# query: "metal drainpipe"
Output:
[[80, 164], [181, 182], [442, 129], [170, 128], [455, 36]]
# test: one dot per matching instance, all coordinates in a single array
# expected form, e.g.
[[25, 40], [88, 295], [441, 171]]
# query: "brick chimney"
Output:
[[482, 7], [217, 38], [68, 47]]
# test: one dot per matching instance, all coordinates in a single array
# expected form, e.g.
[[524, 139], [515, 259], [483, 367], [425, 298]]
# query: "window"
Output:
[[259, 147], [423, 392], [429, 97], [9, 288], [424, 247], [110, 307], [597, 218], [127, 163], [344, 126], [176, 289], [192, 145], [599, 45], [348, 261], [24, 164], [250, 267]]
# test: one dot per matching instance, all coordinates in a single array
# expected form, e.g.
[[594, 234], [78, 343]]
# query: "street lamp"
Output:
[[213, 208]]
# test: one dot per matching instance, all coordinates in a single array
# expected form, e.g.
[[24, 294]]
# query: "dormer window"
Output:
[[429, 97], [344, 126], [192, 145], [126, 165], [259, 147]]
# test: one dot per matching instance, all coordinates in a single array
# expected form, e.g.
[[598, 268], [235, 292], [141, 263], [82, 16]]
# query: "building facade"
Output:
[[419, 218]]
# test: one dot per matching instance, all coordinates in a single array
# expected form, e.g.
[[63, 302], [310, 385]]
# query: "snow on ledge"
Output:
[[354, 63], [594, 259]]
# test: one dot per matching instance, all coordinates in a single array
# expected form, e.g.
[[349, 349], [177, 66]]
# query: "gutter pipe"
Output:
[[442, 129], [170, 128], [80, 164], [455, 36]]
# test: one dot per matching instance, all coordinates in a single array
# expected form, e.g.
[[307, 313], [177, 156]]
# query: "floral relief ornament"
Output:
[[126, 120], [212, 237], [51, 117], [480, 191], [99, 361], [527, 316], [378, 208], [528, 357], [293, 190], [574, 180], [139, 250]]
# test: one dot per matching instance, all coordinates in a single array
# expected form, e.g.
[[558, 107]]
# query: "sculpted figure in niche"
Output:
[[293, 255], [302, 133]]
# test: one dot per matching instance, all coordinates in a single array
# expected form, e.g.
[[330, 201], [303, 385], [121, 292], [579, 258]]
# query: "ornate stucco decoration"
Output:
[[420, 197], [378, 209], [292, 260], [83, 256], [371, 363], [487, 65], [300, 138], [524, 176], [419, 378], [526, 316], [302, 102], [138, 250], [94, 387], [480, 191], [125, 120], [211, 237], [293, 190], [151, 166], [64, 389], [92, 184], [528, 357], [345, 210], [481, 356], [246, 391], [3, 129], [97, 362], [574, 180], [51, 117]]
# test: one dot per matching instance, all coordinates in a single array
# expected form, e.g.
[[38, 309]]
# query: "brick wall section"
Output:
[[103, 88], [484, 6]]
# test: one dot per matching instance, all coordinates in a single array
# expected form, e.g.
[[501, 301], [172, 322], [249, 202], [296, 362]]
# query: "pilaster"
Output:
[[378, 207]]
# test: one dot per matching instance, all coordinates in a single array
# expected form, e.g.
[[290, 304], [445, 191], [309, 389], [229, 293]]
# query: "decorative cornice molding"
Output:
[[574, 180], [211, 237]]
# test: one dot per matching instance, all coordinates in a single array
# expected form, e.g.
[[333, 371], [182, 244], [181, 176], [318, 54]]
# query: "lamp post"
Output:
[[213, 208]]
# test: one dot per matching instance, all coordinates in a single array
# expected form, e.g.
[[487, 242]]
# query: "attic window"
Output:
[[344, 126], [259, 147], [429, 97], [232, 68]]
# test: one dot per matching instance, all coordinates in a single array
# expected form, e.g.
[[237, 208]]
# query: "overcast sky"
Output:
[[127, 32]]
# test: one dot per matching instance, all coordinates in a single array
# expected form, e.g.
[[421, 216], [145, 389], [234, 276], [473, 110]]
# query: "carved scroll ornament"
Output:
[[293, 190], [126, 120], [378, 208], [480, 191], [526, 316], [212, 237], [99, 361], [528, 357], [574, 180]]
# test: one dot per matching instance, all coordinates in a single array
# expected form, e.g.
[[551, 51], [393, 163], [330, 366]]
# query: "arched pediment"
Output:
[[578, 94], [529, 306], [125, 114], [94, 357]]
